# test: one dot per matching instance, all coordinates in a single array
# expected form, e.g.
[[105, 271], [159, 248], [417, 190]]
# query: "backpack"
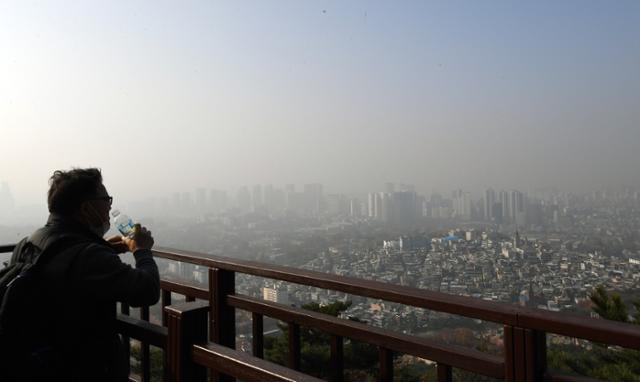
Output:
[[25, 338]]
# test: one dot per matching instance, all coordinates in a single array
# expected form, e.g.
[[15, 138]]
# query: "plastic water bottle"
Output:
[[123, 223]]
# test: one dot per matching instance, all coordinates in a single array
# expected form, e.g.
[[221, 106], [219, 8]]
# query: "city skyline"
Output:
[[497, 205]]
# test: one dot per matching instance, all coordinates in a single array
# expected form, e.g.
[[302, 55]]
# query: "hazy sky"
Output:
[[177, 95]]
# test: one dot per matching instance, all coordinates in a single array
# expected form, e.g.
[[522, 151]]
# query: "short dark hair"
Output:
[[69, 189]]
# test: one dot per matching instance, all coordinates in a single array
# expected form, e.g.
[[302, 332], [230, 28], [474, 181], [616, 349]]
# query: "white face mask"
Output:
[[102, 229]]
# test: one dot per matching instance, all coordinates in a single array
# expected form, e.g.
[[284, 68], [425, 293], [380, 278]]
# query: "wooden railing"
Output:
[[201, 333]]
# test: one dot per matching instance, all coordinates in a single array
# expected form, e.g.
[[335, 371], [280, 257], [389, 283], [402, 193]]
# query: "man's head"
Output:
[[80, 194]]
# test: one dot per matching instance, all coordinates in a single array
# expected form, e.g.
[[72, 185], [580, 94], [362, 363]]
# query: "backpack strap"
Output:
[[35, 251], [53, 247]]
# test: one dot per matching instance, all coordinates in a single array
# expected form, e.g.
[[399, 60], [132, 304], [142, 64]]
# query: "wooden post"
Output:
[[536, 354], [509, 356], [221, 284], [187, 325], [525, 354]]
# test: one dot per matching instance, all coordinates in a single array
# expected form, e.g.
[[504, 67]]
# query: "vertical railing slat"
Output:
[[257, 340], [445, 373], [126, 341], [337, 359], [294, 346], [144, 347], [386, 364], [166, 301]]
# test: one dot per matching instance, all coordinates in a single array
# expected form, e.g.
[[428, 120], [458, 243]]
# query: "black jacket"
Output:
[[86, 279]]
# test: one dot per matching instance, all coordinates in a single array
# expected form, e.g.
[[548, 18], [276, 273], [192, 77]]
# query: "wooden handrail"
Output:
[[592, 329], [614, 333], [442, 302], [244, 366], [525, 328], [142, 331], [456, 356], [566, 324], [184, 289]]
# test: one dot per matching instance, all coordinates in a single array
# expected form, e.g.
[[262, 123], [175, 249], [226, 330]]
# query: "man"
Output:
[[85, 278]]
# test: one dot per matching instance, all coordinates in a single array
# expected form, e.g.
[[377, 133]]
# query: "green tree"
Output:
[[608, 306], [601, 362]]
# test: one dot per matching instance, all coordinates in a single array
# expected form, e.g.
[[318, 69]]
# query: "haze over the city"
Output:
[[167, 96]]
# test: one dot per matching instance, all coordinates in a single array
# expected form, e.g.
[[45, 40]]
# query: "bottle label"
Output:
[[126, 228]]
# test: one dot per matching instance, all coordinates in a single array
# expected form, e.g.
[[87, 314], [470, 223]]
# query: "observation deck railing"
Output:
[[200, 333]]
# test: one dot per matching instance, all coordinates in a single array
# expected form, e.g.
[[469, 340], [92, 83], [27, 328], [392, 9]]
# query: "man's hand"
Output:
[[118, 244], [141, 239]]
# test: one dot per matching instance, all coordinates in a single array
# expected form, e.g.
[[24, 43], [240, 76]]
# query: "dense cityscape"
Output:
[[545, 249]]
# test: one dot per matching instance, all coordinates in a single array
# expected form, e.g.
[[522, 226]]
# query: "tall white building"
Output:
[[462, 204], [489, 202], [280, 296], [354, 208], [518, 208], [380, 206], [384, 207], [506, 206], [372, 204]]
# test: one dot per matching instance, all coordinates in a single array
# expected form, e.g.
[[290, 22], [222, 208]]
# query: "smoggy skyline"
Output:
[[166, 97]]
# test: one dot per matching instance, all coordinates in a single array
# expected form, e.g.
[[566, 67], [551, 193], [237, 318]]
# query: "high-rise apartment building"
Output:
[[462, 204], [277, 295], [355, 208], [505, 203], [518, 208], [256, 198], [489, 202], [313, 197], [243, 199], [372, 204], [403, 207]]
